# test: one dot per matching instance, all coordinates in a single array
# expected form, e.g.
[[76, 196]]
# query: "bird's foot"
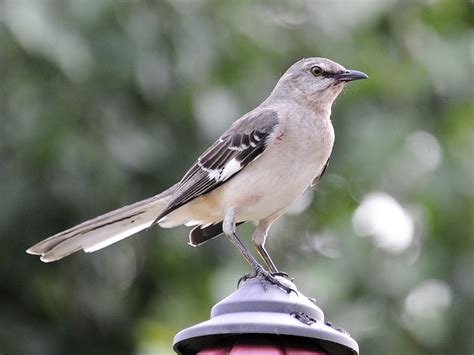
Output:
[[267, 277]]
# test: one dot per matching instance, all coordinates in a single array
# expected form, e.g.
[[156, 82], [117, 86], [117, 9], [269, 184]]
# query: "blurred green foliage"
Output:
[[103, 103]]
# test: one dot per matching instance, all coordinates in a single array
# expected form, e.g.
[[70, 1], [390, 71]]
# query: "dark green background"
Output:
[[103, 103]]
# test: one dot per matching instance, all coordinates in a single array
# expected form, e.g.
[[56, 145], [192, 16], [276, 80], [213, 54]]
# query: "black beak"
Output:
[[350, 75]]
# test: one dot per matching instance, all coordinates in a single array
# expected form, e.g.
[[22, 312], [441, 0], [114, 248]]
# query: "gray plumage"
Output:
[[252, 173]]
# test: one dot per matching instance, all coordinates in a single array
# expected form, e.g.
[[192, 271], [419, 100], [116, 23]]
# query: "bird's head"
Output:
[[317, 81]]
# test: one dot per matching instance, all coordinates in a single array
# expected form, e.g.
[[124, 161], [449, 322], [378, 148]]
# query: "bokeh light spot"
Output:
[[382, 218]]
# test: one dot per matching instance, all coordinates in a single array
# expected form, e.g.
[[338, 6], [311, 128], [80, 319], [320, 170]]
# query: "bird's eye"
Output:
[[316, 71]]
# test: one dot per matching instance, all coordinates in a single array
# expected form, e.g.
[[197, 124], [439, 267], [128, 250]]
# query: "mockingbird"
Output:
[[252, 173]]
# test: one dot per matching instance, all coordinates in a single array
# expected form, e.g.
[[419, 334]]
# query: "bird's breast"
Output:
[[309, 140], [283, 172]]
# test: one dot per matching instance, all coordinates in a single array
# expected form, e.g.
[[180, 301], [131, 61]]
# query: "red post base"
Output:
[[263, 345]]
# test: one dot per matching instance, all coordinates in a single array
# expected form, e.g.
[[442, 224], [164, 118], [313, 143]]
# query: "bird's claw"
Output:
[[246, 277], [265, 277]]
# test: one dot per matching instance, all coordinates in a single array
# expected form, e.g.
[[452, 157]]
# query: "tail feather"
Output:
[[202, 234], [104, 230]]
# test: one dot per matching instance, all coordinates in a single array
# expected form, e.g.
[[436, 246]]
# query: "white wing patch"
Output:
[[222, 174], [230, 169], [240, 148]]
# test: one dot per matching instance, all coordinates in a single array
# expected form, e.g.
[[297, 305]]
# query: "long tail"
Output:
[[104, 230]]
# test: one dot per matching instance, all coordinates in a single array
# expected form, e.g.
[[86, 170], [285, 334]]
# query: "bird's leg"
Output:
[[229, 229], [266, 258], [259, 238]]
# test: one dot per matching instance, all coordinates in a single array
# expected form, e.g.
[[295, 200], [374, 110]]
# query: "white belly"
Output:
[[274, 181]]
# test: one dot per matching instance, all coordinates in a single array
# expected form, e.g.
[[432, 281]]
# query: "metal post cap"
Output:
[[253, 310]]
